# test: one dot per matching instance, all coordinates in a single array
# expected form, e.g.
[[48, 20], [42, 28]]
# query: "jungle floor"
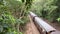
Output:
[[31, 28]]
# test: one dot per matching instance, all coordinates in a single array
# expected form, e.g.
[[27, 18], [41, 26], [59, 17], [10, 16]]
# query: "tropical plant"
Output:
[[13, 14], [49, 9]]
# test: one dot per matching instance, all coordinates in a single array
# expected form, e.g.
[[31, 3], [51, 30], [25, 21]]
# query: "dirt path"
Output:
[[31, 28]]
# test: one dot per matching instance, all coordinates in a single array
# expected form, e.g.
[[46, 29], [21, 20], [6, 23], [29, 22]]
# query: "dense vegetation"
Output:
[[13, 15], [48, 9]]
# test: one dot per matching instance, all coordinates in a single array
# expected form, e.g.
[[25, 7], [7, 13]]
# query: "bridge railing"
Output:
[[42, 26]]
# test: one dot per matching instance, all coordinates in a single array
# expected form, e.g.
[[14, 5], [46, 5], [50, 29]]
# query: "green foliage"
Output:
[[6, 23], [49, 9], [58, 19], [13, 14], [1, 1]]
